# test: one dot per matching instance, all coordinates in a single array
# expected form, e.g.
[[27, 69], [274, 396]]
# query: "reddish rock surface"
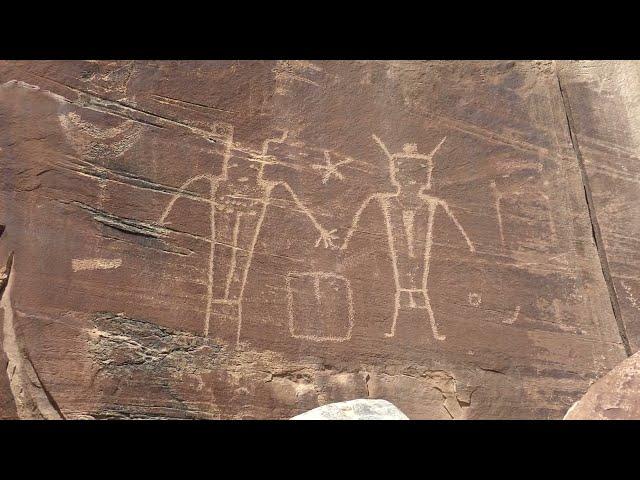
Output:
[[257, 239], [604, 99], [616, 396]]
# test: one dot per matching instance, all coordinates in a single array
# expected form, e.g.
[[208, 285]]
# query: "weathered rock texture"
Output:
[[603, 101], [360, 409], [616, 396], [257, 239]]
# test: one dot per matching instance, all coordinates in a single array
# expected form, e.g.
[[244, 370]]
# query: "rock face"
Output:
[[361, 409], [604, 104], [616, 396], [257, 239]]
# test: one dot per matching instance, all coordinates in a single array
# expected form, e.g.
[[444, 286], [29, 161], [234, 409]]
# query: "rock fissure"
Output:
[[595, 226]]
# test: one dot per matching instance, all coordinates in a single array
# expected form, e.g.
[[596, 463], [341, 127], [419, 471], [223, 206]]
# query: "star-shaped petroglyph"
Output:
[[331, 168]]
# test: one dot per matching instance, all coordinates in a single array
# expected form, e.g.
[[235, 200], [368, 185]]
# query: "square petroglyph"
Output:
[[320, 306]]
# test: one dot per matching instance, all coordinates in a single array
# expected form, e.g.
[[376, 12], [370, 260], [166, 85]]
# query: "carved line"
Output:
[[407, 220], [498, 198], [78, 264], [212, 249], [514, 317], [236, 229]]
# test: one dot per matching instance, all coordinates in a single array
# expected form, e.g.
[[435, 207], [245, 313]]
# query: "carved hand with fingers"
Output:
[[327, 237]]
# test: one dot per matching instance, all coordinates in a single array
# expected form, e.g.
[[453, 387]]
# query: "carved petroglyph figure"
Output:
[[94, 142], [475, 299], [497, 196], [331, 169], [322, 282], [79, 264], [514, 317], [112, 77], [517, 191], [409, 214], [238, 199], [633, 300], [98, 145], [288, 72]]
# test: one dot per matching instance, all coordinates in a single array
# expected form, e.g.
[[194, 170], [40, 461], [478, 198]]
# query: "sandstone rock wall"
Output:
[[255, 239], [616, 396]]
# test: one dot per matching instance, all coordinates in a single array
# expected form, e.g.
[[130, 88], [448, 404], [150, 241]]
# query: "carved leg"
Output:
[[396, 310], [432, 320]]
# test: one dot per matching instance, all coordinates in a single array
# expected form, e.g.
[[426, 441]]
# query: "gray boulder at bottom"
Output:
[[616, 396], [359, 409]]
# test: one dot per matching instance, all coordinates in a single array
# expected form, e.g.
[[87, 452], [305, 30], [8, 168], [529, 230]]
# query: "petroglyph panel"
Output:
[[235, 240]]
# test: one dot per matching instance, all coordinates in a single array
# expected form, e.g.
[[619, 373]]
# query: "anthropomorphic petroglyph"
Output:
[[339, 283], [238, 199], [409, 214]]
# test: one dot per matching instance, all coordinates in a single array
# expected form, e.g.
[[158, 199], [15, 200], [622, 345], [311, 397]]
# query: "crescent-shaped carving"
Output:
[[92, 141]]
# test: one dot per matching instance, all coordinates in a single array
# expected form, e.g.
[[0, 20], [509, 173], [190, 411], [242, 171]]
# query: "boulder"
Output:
[[360, 409], [616, 396]]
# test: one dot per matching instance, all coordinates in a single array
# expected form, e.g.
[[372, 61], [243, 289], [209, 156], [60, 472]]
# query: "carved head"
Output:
[[410, 148], [410, 170], [239, 167]]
